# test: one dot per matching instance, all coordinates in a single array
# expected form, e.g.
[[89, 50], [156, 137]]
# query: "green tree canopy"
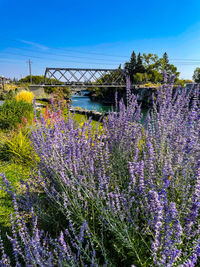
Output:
[[150, 65], [196, 75], [131, 65], [163, 64], [36, 79], [138, 77], [165, 59], [139, 65], [133, 61], [149, 61]]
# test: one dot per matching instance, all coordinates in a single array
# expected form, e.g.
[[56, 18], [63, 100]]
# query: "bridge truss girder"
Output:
[[74, 77]]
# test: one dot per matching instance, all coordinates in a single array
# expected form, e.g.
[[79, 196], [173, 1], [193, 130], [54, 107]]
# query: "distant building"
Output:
[[4, 80]]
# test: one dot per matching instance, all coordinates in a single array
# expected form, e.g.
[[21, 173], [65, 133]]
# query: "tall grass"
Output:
[[17, 147]]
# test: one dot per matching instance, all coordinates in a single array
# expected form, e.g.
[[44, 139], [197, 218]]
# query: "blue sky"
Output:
[[101, 34]]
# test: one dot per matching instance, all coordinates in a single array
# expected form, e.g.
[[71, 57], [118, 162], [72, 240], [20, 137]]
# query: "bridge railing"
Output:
[[85, 77]]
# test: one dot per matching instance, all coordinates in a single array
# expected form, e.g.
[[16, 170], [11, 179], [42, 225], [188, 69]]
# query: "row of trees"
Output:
[[36, 79], [149, 67]]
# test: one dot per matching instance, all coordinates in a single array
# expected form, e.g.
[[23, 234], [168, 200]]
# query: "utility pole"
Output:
[[3, 82], [29, 63]]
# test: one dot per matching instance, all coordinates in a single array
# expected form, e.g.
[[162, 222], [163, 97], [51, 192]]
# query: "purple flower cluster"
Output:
[[127, 196]]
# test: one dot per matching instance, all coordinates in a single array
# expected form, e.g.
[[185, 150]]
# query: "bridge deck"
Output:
[[74, 86]]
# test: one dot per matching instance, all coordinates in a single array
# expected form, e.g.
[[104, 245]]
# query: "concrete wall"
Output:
[[95, 115], [36, 90]]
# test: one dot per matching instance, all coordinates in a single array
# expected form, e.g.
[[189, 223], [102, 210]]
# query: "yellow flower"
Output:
[[25, 96]]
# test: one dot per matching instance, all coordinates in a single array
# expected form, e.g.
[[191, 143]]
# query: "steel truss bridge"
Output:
[[84, 78]]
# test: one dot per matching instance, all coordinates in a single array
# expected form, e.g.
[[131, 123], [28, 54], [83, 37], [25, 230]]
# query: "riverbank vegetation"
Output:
[[149, 68], [145, 71], [123, 194]]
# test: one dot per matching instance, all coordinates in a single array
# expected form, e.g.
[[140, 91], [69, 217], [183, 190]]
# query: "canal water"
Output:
[[84, 102]]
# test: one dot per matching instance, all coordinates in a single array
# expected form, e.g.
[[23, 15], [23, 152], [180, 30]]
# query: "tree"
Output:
[[138, 77], [139, 65], [165, 59], [196, 75], [120, 67], [149, 61], [155, 76], [150, 65], [163, 65], [133, 61], [131, 65], [36, 79]]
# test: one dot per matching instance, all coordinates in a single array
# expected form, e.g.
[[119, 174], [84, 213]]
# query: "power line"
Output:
[[70, 50], [91, 53], [66, 55], [61, 55], [185, 59], [78, 62], [87, 63], [84, 52], [175, 61], [66, 61]]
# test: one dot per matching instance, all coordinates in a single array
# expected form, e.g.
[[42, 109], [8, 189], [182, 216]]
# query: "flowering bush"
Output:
[[129, 197], [12, 113], [52, 116], [25, 96], [58, 101]]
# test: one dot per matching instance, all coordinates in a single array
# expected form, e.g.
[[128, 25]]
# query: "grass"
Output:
[[81, 119], [14, 172]]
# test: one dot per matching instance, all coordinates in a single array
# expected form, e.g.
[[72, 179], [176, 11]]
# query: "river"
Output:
[[84, 102]]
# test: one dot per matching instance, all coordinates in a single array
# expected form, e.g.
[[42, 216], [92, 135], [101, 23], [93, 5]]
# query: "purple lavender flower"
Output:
[[106, 195]]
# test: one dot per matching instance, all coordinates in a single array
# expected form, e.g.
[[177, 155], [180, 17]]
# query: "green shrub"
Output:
[[12, 113], [64, 91], [5, 95]]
